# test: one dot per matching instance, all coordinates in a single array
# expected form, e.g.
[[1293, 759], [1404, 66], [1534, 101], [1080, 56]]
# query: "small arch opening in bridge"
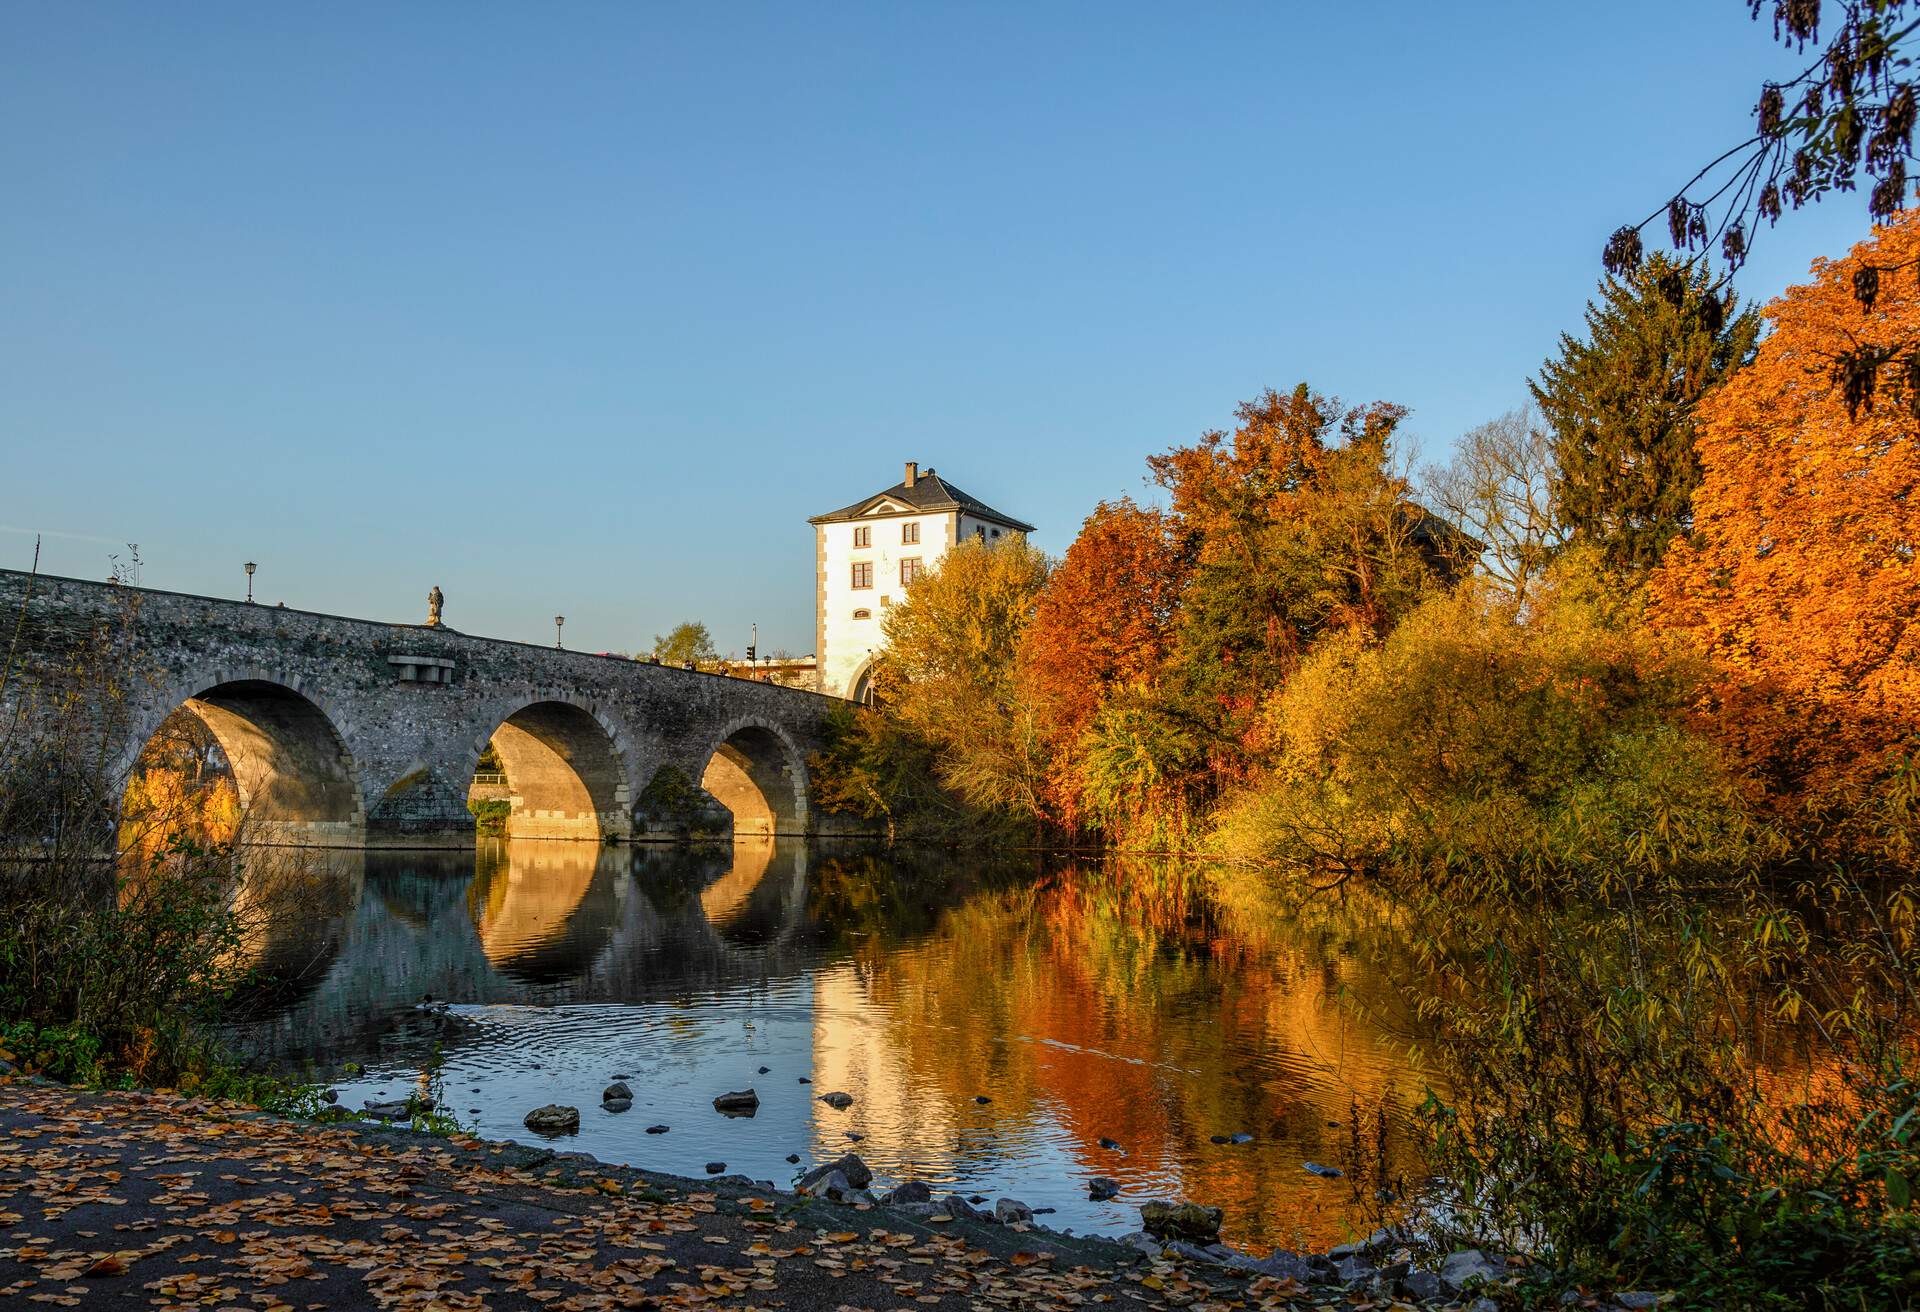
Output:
[[759, 779], [561, 775], [248, 759]]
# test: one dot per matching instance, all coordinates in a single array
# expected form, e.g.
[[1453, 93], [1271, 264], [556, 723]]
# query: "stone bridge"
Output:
[[357, 733]]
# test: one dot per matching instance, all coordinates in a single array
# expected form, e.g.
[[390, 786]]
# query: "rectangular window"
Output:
[[909, 570], [863, 574], [910, 534], [863, 537]]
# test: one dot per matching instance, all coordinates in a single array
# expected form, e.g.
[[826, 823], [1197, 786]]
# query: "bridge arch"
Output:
[[295, 776], [756, 771], [565, 766]]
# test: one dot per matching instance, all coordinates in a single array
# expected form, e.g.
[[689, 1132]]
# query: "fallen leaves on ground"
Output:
[[179, 1204]]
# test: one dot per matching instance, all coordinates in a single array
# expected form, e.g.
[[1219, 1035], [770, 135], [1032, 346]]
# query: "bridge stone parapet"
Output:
[[353, 732]]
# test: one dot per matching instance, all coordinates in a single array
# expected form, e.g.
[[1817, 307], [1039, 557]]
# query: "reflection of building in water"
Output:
[[857, 1050]]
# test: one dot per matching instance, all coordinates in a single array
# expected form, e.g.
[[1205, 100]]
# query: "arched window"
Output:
[[863, 614]]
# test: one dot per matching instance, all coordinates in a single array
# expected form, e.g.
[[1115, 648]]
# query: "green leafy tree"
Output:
[[686, 642], [1620, 403]]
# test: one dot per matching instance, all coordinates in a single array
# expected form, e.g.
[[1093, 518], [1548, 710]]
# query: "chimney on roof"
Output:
[[913, 473]]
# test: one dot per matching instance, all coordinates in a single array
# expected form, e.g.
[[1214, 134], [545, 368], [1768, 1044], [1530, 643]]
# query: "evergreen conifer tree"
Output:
[[1621, 406]]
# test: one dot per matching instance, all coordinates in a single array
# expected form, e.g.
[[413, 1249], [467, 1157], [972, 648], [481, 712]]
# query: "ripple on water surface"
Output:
[[993, 1029]]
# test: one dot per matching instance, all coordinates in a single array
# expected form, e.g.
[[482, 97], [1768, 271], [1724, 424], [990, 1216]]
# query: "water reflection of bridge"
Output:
[[521, 923]]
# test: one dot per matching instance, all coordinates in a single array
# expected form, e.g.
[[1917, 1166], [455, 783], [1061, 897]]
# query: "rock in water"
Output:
[[617, 1104], [744, 1102], [793, 1157], [1190, 1221], [390, 1111], [765, 1069], [1101, 1188], [1111, 1145], [554, 1119], [714, 1168], [1329, 1172], [982, 1099], [837, 1101], [1011, 1211], [1218, 1138], [656, 1129], [618, 1089]]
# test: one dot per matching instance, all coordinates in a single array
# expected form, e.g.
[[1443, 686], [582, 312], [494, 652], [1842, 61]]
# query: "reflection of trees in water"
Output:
[[1195, 1027]]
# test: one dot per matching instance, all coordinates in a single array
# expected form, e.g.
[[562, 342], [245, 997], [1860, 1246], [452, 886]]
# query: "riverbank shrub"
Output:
[[1712, 1096], [121, 982], [1485, 745]]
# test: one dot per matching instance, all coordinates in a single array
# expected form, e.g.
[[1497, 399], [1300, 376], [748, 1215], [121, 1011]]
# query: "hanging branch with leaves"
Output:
[[1846, 120]]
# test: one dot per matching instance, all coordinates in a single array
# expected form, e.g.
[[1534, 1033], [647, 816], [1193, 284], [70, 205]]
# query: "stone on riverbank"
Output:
[[1469, 1267], [1011, 1211], [959, 1208], [911, 1191], [850, 1165], [553, 1119], [1190, 1221]]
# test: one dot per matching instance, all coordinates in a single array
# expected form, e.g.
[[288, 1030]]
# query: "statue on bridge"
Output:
[[434, 602]]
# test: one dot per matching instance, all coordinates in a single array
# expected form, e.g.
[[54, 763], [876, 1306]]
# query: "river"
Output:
[[993, 1020]]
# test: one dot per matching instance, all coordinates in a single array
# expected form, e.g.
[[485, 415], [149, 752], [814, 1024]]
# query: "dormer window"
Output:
[[863, 536], [910, 533]]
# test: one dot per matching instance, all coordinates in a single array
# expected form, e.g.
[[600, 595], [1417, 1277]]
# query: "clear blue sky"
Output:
[[584, 308]]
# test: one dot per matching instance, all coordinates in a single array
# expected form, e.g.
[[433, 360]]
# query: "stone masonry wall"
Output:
[[413, 708]]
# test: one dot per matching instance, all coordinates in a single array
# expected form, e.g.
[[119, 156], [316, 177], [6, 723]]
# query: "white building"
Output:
[[865, 556]]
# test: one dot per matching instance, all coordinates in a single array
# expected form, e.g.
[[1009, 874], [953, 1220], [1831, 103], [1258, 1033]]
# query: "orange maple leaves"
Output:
[[1800, 578]]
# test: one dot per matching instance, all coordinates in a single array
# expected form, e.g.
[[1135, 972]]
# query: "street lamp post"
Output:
[[251, 567], [558, 620]]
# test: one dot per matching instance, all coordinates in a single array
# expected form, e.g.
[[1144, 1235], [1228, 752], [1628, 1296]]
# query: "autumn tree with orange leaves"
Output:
[[1103, 622], [1800, 577]]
